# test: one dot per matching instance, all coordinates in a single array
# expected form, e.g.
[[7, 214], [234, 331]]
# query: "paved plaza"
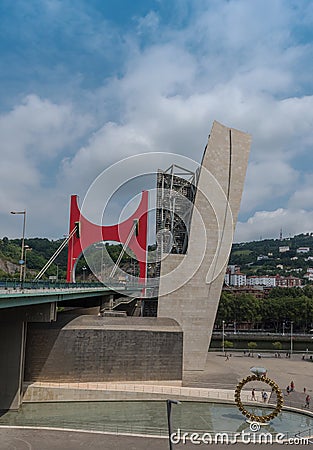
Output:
[[221, 373], [220, 376]]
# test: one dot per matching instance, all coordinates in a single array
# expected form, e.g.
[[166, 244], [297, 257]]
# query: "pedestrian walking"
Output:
[[253, 394], [292, 386], [287, 390], [264, 395], [307, 401]]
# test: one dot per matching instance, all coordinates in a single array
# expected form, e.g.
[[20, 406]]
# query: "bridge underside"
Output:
[[13, 336], [13, 330]]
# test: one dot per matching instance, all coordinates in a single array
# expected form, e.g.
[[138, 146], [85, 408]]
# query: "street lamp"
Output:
[[23, 240], [169, 404], [102, 264], [283, 328], [291, 337], [223, 337], [27, 248], [84, 269]]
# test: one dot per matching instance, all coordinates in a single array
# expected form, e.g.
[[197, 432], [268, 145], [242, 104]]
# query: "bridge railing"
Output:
[[41, 284]]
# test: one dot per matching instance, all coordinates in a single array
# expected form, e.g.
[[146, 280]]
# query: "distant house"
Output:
[[274, 281], [309, 274], [284, 248], [303, 250], [262, 257], [289, 281], [234, 277], [265, 280]]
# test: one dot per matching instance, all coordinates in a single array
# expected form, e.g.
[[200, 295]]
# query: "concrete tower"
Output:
[[191, 283]]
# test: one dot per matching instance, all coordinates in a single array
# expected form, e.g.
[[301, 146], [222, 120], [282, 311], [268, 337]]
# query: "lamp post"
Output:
[[23, 241], [223, 337], [169, 404], [102, 265], [84, 270], [291, 337], [283, 328], [27, 248]]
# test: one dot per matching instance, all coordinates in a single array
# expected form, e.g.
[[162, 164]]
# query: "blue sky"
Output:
[[85, 83]]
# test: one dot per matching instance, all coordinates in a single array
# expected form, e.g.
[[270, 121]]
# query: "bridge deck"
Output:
[[14, 296]]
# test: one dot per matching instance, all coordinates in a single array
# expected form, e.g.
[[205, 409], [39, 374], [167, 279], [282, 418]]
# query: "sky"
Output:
[[86, 83]]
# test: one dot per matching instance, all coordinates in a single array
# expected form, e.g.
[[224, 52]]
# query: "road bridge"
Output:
[[37, 302], [12, 295]]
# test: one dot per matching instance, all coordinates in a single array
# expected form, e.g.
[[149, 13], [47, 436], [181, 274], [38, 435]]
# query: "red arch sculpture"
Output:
[[91, 233]]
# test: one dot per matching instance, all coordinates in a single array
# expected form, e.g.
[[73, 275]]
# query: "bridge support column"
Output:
[[12, 352], [106, 304], [13, 327]]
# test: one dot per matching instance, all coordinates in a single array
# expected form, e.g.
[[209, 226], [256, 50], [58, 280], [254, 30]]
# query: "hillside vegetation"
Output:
[[41, 251], [246, 255], [264, 258]]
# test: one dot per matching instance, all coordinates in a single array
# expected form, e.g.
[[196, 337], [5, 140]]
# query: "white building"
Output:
[[303, 250], [262, 257], [265, 280], [308, 276], [238, 279], [234, 277], [284, 248]]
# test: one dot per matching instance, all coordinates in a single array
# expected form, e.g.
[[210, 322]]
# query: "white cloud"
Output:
[[33, 136], [303, 195], [148, 23], [40, 128], [267, 224], [266, 182], [237, 62]]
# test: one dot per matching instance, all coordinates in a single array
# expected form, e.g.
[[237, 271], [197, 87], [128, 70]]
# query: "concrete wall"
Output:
[[89, 348], [190, 285], [13, 326], [12, 347]]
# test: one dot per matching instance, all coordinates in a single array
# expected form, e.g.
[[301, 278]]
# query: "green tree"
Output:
[[252, 346], [277, 345], [227, 345], [238, 308], [226, 309]]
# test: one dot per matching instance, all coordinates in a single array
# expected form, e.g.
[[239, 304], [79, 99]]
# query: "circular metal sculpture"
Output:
[[259, 375]]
